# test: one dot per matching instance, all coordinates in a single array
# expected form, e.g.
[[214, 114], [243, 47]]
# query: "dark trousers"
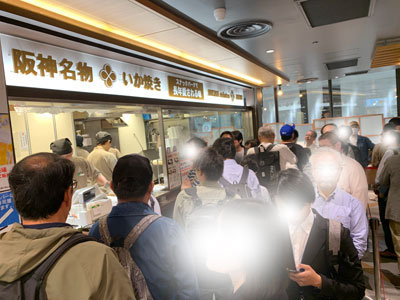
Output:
[[385, 224]]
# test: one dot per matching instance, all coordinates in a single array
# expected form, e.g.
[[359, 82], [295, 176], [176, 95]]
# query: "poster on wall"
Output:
[[174, 174], [186, 165], [6, 151], [8, 213]]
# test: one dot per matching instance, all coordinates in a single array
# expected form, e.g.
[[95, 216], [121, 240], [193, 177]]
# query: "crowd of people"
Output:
[[263, 220]]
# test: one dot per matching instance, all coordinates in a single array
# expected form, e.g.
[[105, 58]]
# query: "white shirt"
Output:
[[299, 236], [287, 158]]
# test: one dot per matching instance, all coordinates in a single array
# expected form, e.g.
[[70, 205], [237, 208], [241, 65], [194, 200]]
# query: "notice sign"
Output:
[[8, 213], [184, 88]]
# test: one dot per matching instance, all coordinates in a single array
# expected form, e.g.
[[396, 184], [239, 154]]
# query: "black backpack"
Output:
[[29, 287], [268, 166], [240, 189]]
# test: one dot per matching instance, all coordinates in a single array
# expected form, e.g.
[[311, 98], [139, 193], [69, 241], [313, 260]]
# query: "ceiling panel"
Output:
[[120, 13]]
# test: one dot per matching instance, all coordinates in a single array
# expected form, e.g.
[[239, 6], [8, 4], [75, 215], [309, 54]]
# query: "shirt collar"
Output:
[[46, 225], [306, 225], [208, 183], [330, 197], [131, 209], [230, 162]]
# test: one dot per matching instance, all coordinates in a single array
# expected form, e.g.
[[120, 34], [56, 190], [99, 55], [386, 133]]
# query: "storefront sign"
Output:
[[37, 65]]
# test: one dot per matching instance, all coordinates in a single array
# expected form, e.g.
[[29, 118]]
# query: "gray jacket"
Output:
[[391, 177]]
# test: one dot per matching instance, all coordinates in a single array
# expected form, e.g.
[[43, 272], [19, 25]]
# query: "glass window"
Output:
[[373, 93], [268, 111], [180, 126], [289, 107], [133, 129], [316, 97]]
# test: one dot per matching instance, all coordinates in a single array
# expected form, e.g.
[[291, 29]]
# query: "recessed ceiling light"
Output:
[[336, 77], [270, 51], [315, 42]]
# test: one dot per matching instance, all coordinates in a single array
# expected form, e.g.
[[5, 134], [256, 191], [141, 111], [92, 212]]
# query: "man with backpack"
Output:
[[326, 263], [152, 249], [196, 210], [45, 258], [288, 138], [237, 180], [271, 157]]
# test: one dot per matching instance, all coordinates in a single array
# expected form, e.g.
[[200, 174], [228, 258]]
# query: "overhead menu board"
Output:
[[37, 65]]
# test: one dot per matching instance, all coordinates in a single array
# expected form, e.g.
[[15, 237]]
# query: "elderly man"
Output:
[[310, 138], [42, 188], [333, 203], [352, 178], [310, 234]]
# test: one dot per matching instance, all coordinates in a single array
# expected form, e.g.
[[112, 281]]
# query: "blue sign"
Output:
[[8, 213]]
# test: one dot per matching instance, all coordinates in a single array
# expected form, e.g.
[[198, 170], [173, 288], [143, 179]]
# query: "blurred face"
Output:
[[326, 172], [237, 144], [329, 128], [292, 211]]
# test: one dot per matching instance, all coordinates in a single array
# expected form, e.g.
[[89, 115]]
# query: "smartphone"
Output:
[[295, 271]]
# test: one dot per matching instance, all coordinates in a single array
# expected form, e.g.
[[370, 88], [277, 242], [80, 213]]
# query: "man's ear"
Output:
[[68, 197], [112, 186], [150, 188]]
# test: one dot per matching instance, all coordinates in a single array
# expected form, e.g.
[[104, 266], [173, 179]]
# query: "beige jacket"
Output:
[[103, 161], [353, 180], [85, 173], [391, 178], [89, 270], [208, 193], [82, 152]]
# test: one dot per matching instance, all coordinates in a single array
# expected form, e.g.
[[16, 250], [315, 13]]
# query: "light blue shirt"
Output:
[[344, 208], [233, 172]]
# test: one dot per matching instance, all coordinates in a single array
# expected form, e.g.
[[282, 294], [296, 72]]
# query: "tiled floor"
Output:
[[390, 272]]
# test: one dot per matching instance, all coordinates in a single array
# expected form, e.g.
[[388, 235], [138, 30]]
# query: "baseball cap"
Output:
[[103, 136], [287, 129], [61, 146]]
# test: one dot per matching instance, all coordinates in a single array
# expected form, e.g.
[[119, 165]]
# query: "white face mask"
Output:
[[355, 131]]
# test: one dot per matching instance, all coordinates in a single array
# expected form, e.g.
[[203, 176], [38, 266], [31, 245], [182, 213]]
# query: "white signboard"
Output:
[[38, 65]]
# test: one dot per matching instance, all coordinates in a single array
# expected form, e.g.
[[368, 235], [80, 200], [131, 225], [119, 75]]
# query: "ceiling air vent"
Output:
[[356, 73], [307, 80], [244, 29], [320, 13], [342, 64]]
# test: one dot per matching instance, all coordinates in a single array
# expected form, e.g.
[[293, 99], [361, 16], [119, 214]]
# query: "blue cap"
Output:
[[287, 130]]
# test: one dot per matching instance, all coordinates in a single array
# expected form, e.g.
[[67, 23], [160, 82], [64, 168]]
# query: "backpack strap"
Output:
[[138, 230], [32, 286], [103, 231], [192, 192], [245, 175]]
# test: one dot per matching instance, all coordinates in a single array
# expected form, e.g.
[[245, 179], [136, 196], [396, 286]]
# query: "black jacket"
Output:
[[347, 283]]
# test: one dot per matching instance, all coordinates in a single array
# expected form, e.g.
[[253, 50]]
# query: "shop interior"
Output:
[[134, 129]]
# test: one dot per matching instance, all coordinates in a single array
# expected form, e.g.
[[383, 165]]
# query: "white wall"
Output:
[[41, 131], [127, 141]]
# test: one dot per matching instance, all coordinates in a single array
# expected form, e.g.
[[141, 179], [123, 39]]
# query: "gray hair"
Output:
[[266, 132], [323, 151]]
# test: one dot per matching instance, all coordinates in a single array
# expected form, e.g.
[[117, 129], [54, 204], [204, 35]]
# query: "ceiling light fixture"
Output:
[[280, 92], [300, 95], [270, 51], [66, 13]]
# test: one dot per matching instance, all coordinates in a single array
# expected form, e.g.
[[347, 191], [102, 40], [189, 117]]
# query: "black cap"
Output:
[[61, 146], [79, 140]]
